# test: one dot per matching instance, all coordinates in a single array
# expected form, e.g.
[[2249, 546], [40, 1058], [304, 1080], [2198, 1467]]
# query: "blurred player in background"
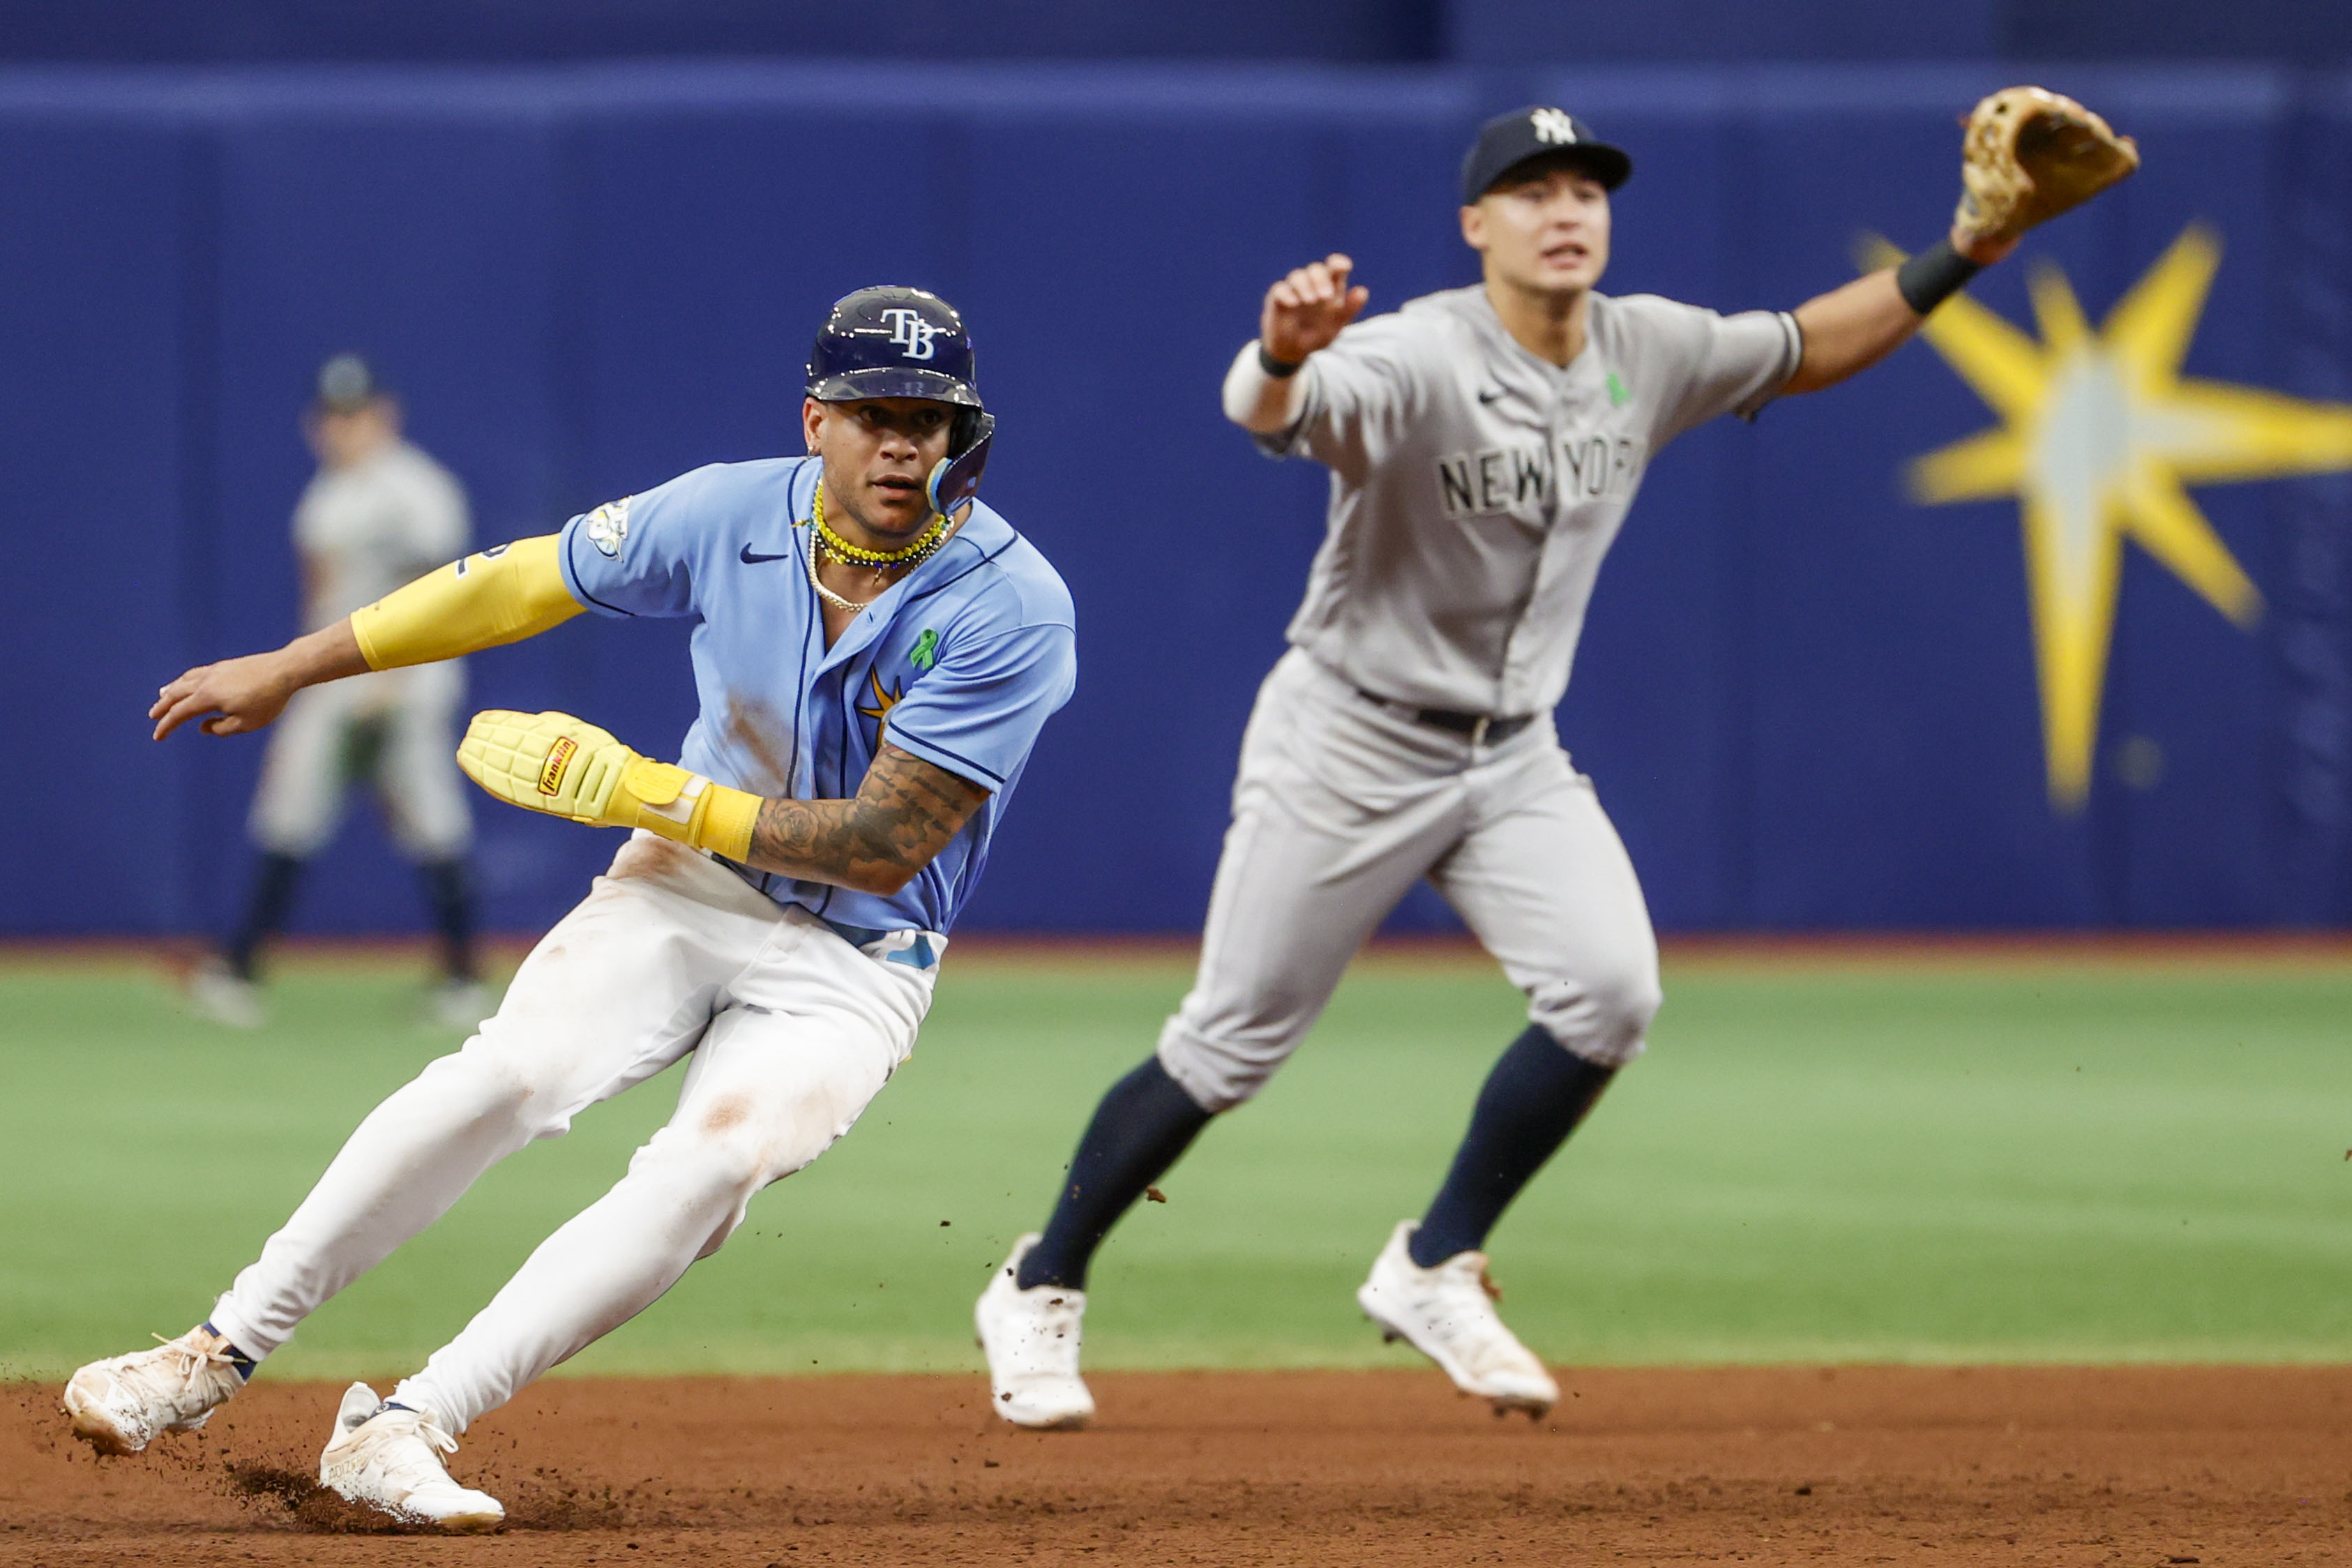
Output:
[[379, 514]]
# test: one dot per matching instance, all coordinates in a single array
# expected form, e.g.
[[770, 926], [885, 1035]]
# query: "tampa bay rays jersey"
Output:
[[1476, 487], [370, 528], [960, 662]]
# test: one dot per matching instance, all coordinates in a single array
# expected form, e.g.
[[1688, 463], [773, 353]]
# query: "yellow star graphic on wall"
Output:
[[2100, 437]]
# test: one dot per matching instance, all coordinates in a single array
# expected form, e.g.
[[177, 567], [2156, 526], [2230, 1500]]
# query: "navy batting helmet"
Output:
[[907, 342]]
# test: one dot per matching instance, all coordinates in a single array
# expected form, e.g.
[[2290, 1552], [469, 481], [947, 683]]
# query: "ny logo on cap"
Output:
[[1552, 125], [909, 331]]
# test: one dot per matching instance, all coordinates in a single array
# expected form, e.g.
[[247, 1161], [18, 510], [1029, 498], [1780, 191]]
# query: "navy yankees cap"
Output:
[[1523, 135]]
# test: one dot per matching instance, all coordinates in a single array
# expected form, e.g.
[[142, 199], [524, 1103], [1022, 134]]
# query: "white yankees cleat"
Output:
[[391, 1459], [216, 992], [460, 1004], [1031, 1337], [1447, 1315], [122, 1403]]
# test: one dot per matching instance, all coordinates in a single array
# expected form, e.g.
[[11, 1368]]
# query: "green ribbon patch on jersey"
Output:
[[926, 652], [1617, 395]]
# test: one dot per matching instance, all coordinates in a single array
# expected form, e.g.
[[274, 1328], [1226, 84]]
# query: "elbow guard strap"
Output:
[[664, 798], [497, 596]]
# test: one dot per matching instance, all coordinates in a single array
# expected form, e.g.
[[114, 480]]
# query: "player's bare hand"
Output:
[[1305, 311], [240, 694]]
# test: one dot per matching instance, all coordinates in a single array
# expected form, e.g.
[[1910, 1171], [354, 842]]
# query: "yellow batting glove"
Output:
[[568, 767]]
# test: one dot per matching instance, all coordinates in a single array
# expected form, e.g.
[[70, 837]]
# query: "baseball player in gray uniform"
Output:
[[1484, 443], [378, 513]]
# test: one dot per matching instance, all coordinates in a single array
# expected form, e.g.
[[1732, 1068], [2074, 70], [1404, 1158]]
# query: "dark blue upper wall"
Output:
[[1338, 32], [253, 31], [1521, 32], [1517, 32], [1807, 702]]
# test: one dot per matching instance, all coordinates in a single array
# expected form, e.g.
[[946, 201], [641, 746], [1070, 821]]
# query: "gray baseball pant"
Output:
[[1340, 805]]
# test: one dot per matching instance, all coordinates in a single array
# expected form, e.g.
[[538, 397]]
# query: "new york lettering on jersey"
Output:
[[1435, 411], [1515, 479]]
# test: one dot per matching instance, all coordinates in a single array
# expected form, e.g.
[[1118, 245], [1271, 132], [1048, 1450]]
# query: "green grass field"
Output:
[[1985, 1160]]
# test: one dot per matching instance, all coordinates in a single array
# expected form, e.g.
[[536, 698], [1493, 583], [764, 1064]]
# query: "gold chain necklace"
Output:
[[828, 595]]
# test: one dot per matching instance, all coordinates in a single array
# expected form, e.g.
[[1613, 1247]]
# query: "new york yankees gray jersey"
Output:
[[1476, 488], [376, 525]]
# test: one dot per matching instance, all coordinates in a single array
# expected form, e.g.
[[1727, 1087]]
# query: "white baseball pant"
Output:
[[793, 1030], [393, 728], [1340, 805]]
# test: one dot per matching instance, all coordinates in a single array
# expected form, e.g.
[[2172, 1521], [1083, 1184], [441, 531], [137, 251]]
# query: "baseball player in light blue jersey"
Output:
[[875, 652]]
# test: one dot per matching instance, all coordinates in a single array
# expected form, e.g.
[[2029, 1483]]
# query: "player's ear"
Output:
[[1474, 227], [813, 417]]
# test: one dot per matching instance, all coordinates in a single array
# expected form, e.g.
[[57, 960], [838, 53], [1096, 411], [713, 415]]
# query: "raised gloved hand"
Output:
[[2031, 155], [568, 767]]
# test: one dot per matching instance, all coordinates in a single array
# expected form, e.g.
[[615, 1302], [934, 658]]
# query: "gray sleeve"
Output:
[[311, 532], [437, 526], [1360, 394], [1704, 364]]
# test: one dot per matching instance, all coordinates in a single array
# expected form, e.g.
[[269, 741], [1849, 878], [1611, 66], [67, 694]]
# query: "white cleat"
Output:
[[460, 1004], [122, 1403], [1031, 1337], [1448, 1315], [217, 992], [391, 1459]]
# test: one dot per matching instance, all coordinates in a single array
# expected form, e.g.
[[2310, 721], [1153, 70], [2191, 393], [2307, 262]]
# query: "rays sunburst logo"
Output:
[[883, 703], [2101, 438]]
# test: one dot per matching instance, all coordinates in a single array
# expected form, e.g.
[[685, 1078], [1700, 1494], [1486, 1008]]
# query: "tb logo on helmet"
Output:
[[909, 331]]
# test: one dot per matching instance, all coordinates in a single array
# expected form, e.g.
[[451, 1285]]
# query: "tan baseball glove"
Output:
[[2031, 155]]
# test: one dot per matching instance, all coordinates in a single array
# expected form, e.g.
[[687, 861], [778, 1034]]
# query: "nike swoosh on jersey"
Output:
[[1491, 393], [748, 559]]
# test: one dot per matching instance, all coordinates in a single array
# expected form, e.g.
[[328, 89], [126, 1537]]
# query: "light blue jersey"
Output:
[[960, 662]]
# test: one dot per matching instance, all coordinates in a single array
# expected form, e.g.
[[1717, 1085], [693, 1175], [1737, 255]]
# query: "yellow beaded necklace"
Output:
[[849, 555]]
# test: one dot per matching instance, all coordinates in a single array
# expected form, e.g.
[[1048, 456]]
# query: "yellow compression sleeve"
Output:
[[497, 596]]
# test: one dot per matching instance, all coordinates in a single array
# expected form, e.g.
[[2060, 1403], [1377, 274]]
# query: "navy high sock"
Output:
[[243, 1364], [274, 881], [453, 914], [1533, 1100], [1141, 1128]]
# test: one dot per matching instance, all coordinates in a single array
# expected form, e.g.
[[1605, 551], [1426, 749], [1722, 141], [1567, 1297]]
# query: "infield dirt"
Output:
[[2145, 1465]]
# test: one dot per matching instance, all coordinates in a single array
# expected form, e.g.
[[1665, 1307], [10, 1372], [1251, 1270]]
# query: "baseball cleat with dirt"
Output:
[[122, 1403], [1447, 1313], [1031, 1337], [389, 1459]]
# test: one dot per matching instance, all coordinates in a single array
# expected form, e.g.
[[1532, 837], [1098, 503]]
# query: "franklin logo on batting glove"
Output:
[[558, 757]]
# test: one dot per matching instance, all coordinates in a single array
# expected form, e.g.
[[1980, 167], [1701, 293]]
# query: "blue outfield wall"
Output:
[[1808, 701]]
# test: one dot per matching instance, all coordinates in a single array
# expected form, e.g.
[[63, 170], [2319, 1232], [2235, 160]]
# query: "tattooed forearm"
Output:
[[905, 813]]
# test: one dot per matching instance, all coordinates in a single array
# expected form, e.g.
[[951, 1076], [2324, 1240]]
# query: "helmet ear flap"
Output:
[[971, 427], [955, 479]]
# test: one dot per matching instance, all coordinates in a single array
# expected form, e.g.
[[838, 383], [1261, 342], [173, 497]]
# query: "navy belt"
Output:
[[1483, 729], [920, 951]]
